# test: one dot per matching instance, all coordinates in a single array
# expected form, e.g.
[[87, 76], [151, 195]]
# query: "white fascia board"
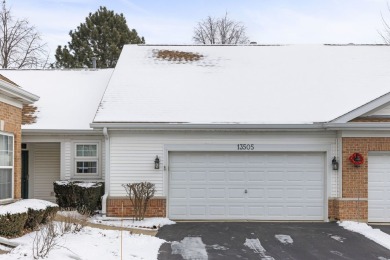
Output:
[[370, 106], [17, 93], [46, 132], [380, 126], [184, 126]]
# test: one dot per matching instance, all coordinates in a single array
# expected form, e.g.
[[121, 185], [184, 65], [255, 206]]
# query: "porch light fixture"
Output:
[[335, 164], [157, 163]]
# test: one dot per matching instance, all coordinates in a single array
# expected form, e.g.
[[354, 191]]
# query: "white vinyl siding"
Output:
[[379, 187], [133, 152], [246, 185], [45, 169]]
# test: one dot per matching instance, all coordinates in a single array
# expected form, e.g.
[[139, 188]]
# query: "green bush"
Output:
[[34, 218], [85, 197], [50, 213], [12, 225], [65, 195]]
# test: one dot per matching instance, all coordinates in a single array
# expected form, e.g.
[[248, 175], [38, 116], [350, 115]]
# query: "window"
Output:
[[86, 160], [6, 166]]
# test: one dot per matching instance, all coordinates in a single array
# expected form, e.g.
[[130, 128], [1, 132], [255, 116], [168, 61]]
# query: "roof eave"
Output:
[[17, 93], [190, 126]]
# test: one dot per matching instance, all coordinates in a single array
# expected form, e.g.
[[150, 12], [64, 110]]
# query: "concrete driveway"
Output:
[[266, 241]]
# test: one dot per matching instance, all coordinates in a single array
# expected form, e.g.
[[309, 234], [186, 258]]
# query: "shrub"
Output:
[[139, 195], [65, 195], [50, 213], [83, 196], [88, 197], [34, 218], [12, 225], [24, 214]]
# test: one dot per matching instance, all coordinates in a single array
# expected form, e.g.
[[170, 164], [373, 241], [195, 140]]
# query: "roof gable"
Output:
[[372, 108]]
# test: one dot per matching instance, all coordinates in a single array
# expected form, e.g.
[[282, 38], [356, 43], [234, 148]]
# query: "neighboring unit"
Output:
[[60, 145], [12, 100]]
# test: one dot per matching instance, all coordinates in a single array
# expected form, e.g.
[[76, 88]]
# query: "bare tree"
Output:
[[20, 44], [385, 33], [220, 31]]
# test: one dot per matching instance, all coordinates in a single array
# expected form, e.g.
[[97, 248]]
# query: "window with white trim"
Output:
[[86, 159], [6, 166]]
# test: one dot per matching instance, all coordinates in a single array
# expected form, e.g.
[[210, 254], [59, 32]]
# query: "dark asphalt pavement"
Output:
[[267, 241]]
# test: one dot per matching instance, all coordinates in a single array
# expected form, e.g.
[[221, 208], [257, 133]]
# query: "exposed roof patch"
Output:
[[177, 56]]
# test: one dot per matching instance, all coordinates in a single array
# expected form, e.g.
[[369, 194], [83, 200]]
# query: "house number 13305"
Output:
[[245, 147]]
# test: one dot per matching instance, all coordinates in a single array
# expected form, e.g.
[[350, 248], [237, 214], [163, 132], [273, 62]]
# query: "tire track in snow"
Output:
[[256, 246]]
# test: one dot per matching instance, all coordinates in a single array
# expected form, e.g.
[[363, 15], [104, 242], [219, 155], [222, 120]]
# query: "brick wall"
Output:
[[354, 204], [12, 117], [348, 209], [157, 207]]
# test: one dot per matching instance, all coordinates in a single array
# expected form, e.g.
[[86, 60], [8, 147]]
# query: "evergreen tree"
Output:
[[102, 35]]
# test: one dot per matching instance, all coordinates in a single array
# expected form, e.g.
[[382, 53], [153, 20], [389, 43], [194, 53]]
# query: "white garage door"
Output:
[[379, 187], [246, 185]]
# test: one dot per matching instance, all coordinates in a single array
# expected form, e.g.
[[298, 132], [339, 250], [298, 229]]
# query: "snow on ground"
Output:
[[129, 223], [92, 243], [374, 234]]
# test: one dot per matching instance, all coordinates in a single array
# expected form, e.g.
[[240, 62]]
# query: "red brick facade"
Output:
[[12, 117], [354, 204], [156, 208]]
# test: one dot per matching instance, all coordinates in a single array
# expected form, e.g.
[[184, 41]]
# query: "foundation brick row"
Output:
[[156, 207]]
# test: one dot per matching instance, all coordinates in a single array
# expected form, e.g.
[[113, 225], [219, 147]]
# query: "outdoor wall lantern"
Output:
[[335, 164], [157, 163]]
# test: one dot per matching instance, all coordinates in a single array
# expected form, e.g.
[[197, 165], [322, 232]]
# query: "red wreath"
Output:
[[356, 158]]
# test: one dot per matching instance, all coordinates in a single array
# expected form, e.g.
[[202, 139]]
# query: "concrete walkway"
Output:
[[106, 227]]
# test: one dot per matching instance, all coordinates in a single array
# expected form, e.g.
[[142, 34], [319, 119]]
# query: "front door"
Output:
[[25, 174]]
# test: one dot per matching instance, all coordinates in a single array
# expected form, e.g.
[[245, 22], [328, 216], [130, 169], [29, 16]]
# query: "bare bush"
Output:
[[140, 195], [71, 223], [45, 240]]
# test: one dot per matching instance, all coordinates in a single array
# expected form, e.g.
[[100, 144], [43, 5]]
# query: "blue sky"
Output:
[[172, 21]]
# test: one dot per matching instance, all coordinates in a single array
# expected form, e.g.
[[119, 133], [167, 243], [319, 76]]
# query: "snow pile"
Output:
[[375, 235], [22, 206], [80, 184], [92, 243], [129, 223]]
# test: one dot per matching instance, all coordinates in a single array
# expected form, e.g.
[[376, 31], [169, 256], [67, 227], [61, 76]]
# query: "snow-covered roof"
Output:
[[68, 98], [253, 84]]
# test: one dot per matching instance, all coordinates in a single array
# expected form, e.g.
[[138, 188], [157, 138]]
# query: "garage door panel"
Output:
[[237, 210], [379, 187], [278, 186], [236, 193], [198, 176]]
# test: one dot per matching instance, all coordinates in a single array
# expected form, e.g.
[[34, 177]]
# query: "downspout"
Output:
[[107, 172]]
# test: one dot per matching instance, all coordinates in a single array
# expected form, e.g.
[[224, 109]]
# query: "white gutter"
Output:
[[200, 126], [107, 172], [45, 132], [358, 126]]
